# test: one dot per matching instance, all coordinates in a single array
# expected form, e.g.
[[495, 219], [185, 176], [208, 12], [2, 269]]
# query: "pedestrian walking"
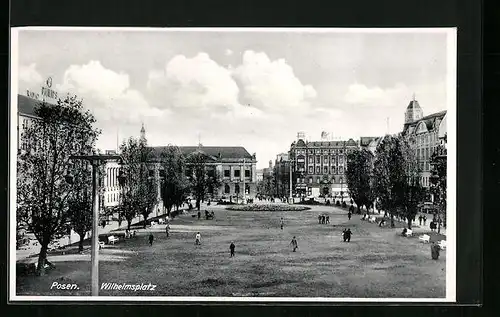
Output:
[[319, 219], [231, 248], [151, 238], [327, 219], [349, 215], [199, 215], [167, 229], [294, 244], [323, 219], [425, 220], [348, 234], [282, 223], [420, 220], [198, 239]]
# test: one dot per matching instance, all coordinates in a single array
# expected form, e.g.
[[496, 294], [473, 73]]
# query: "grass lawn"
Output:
[[376, 263]]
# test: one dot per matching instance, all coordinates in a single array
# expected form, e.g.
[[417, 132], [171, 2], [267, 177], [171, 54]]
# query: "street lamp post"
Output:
[[95, 160]]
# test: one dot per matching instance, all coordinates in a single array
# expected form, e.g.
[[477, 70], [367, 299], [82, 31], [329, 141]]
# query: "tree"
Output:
[[139, 188], [412, 193], [358, 177], [438, 182], [201, 178], [81, 203], [43, 193], [388, 174], [174, 185]]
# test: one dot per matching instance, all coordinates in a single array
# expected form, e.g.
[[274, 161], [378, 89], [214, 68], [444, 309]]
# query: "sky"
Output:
[[254, 89]]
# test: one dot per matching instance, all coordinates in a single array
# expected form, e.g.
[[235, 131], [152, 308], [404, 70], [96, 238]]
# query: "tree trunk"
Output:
[[198, 205], [80, 243], [392, 221], [409, 222], [129, 223], [42, 257]]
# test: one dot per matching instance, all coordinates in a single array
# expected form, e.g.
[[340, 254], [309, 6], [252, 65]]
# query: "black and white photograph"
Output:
[[233, 164]]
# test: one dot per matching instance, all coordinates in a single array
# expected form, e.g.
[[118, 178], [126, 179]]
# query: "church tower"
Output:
[[143, 132], [413, 112]]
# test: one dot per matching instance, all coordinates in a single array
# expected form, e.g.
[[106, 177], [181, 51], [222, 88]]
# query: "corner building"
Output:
[[320, 166], [424, 133]]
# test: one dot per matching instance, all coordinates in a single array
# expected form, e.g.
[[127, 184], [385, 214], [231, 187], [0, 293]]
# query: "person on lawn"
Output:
[[167, 229], [319, 219], [348, 234], [198, 238], [349, 215], [151, 238], [327, 219], [231, 248], [294, 244]]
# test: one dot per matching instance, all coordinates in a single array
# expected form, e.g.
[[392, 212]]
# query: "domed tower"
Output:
[[413, 112]]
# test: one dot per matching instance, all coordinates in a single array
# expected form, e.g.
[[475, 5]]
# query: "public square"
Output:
[[378, 262]]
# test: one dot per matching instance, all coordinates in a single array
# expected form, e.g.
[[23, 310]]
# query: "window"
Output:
[[247, 173], [227, 173], [227, 190], [325, 159], [236, 173], [247, 189], [341, 159], [318, 160], [310, 180], [325, 170], [334, 170], [237, 189], [310, 170], [317, 170], [334, 161], [341, 170]]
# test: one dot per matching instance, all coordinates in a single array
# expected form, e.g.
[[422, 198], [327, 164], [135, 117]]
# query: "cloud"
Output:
[[29, 74], [228, 52], [271, 85], [107, 93], [361, 95]]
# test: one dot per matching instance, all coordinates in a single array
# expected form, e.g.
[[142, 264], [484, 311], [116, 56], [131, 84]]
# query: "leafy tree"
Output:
[[389, 175], [358, 177], [412, 193], [200, 177], [43, 193], [174, 185], [438, 182], [81, 203]]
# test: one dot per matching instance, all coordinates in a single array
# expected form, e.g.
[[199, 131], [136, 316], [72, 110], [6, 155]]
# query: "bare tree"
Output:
[[48, 142]]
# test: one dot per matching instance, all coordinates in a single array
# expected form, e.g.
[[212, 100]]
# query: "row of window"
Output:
[[325, 159], [112, 177], [227, 189], [325, 152], [113, 197], [236, 173], [326, 170]]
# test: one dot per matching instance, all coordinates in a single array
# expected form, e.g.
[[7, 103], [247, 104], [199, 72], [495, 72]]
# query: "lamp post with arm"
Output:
[[95, 160]]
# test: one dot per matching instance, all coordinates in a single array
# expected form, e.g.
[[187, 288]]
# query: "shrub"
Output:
[[254, 207]]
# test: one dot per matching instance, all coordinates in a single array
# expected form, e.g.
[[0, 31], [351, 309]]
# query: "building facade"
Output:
[[319, 166], [281, 172], [235, 166], [425, 134]]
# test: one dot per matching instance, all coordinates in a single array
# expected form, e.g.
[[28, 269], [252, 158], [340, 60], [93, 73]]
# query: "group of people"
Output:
[[323, 219]]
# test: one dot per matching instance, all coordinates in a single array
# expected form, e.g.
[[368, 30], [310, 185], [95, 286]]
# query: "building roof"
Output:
[[225, 152], [429, 120], [413, 105], [26, 105], [366, 140]]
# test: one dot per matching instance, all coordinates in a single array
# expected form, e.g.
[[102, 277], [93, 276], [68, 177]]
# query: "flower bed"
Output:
[[259, 207]]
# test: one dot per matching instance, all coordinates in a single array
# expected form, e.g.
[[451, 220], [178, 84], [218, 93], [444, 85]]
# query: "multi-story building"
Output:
[[319, 166], [281, 173], [260, 175], [424, 133]]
